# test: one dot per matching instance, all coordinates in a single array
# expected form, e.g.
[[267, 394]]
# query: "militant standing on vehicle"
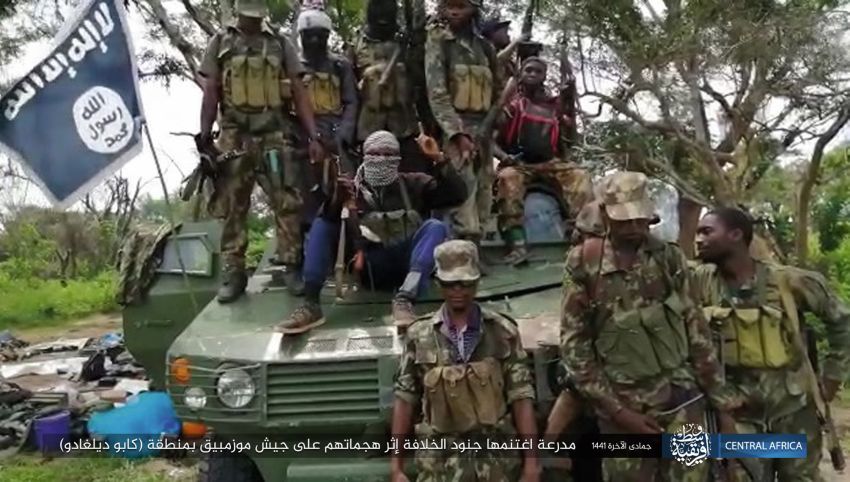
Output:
[[463, 81], [252, 75], [636, 346], [397, 240], [385, 89], [531, 149], [464, 371], [331, 84], [756, 310]]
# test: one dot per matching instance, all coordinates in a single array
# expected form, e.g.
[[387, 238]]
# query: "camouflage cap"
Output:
[[457, 260], [625, 197], [252, 8]]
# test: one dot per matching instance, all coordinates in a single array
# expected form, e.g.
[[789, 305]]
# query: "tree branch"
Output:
[[190, 54], [801, 240], [193, 12]]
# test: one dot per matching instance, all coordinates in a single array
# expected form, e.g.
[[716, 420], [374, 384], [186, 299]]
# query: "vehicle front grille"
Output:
[[327, 392]]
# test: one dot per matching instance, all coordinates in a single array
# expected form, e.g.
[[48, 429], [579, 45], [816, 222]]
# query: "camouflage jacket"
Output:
[[811, 295], [444, 49], [499, 338], [601, 334], [395, 115]]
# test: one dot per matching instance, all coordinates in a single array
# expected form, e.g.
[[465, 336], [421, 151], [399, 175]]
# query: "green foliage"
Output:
[[832, 205], [85, 469], [34, 301]]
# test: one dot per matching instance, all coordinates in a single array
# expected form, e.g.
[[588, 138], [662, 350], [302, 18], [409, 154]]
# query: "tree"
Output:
[[188, 26], [734, 84]]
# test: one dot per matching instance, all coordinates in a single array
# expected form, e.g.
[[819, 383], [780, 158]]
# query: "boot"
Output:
[[402, 305], [304, 318], [234, 284]]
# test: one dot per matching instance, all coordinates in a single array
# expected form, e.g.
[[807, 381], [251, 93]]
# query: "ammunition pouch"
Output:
[[393, 227], [644, 342], [464, 398], [752, 337], [253, 82], [471, 87], [393, 93], [325, 93]]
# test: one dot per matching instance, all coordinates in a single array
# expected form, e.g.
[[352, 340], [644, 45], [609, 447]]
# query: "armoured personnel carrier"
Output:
[[225, 367]]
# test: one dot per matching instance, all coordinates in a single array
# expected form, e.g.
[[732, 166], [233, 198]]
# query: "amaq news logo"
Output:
[[690, 445]]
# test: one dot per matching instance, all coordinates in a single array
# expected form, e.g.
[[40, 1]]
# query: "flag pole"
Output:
[[169, 210]]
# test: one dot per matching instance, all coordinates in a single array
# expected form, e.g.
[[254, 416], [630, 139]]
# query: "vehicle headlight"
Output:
[[195, 398], [235, 388]]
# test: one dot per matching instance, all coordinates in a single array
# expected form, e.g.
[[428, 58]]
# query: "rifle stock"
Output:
[[385, 75], [485, 130]]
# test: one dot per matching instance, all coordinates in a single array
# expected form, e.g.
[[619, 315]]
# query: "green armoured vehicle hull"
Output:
[[336, 379]]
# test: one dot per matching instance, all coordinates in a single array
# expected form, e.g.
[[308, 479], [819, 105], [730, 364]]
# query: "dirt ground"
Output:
[[90, 326], [161, 469], [841, 417]]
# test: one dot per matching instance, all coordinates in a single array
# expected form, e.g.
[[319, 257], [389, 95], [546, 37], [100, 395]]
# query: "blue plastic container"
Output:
[[145, 418], [50, 431]]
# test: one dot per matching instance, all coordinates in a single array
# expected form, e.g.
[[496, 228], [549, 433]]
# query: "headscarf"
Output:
[[381, 157], [314, 19]]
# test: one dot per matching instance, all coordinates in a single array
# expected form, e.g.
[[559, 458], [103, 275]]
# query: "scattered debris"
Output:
[[59, 386]]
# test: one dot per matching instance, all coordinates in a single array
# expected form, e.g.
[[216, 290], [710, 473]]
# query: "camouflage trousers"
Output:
[[235, 185], [658, 470], [777, 403], [571, 183], [471, 466], [474, 218]]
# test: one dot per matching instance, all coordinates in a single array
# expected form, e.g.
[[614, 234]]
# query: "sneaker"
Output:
[[518, 255], [304, 318], [403, 314]]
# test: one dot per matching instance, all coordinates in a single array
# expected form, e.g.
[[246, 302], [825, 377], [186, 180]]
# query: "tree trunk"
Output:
[[688, 221], [804, 200], [226, 7]]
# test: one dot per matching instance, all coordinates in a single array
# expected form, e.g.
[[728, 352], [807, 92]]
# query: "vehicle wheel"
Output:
[[238, 468]]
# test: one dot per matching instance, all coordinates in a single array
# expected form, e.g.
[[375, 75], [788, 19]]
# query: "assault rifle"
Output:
[[568, 95], [815, 389], [207, 170]]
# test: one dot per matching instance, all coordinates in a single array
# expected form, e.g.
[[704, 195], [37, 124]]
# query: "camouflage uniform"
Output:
[[387, 107], [446, 373], [254, 118], [613, 319], [760, 361], [463, 81]]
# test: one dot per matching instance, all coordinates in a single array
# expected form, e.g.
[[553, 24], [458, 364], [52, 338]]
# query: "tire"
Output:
[[228, 469]]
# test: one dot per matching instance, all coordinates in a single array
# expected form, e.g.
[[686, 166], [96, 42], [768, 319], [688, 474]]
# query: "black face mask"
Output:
[[315, 42], [381, 19]]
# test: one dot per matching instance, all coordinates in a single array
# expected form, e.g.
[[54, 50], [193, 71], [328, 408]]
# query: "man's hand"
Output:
[[508, 161], [830, 389], [316, 151], [428, 146], [725, 423], [398, 476], [530, 472], [636, 423], [464, 145], [205, 138], [345, 188]]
